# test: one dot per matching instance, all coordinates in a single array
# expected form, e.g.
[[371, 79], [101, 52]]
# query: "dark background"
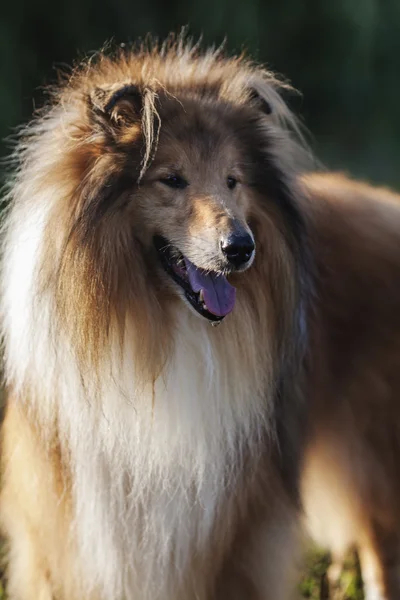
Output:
[[344, 56]]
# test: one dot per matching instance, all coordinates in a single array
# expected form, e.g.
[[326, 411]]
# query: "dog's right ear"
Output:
[[118, 103]]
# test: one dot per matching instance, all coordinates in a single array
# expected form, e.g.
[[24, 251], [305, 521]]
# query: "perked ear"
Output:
[[259, 101], [121, 103]]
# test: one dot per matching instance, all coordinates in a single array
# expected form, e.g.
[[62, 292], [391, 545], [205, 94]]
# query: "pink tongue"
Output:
[[219, 295]]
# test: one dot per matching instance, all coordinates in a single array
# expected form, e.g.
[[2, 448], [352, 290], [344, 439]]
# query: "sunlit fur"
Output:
[[146, 454]]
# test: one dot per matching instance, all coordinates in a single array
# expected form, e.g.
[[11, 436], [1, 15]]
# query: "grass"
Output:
[[314, 584], [313, 581]]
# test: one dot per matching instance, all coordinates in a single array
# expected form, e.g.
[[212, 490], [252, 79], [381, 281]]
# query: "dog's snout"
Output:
[[238, 248]]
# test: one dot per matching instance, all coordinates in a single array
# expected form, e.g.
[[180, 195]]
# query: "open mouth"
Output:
[[208, 292]]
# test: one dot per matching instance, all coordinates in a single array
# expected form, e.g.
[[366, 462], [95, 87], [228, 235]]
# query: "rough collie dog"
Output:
[[148, 454]]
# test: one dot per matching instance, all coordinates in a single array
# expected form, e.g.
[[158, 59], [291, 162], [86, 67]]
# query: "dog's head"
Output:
[[165, 182], [190, 165], [192, 201]]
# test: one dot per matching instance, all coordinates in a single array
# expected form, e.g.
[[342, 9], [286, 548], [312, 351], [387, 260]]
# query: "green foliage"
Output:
[[315, 568], [344, 56], [314, 583], [350, 584]]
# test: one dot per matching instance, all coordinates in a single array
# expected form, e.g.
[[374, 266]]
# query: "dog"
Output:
[[176, 293], [154, 299]]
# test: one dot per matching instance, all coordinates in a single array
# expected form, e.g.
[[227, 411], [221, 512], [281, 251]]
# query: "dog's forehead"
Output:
[[206, 113], [199, 130]]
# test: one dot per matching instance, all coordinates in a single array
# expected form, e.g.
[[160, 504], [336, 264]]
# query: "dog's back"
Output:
[[351, 480]]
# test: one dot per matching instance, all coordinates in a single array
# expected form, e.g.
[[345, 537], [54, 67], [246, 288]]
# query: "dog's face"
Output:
[[191, 208], [194, 201], [172, 194]]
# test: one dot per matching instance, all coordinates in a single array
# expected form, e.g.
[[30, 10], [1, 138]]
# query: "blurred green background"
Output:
[[344, 55]]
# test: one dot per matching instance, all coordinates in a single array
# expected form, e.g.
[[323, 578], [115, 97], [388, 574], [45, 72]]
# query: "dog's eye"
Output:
[[231, 182], [174, 181]]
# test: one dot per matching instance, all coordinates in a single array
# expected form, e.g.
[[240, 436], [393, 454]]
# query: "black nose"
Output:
[[238, 248]]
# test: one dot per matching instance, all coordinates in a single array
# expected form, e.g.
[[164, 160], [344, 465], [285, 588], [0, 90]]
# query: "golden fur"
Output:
[[146, 454]]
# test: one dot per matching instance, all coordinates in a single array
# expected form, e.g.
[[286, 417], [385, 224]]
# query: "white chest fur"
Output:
[[156, 463]]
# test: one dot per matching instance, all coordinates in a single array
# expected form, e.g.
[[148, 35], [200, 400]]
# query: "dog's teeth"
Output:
[[201, 296]]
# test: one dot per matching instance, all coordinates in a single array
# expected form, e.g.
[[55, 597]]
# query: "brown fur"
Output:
[[351, 475]]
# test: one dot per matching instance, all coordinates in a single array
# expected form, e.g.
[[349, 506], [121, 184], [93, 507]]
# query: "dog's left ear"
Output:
[[258, 100], [118, 103]]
